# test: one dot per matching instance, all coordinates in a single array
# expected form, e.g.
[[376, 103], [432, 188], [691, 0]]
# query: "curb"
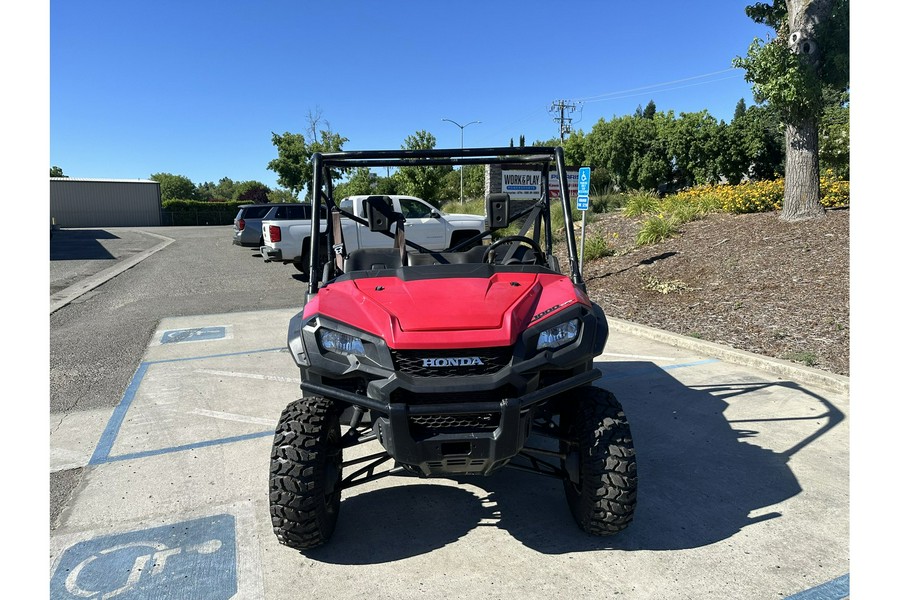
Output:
[[782, 368], [67, 295]]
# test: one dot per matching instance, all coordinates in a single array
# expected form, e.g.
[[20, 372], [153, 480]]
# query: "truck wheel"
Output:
[[305, 475], [601, 453], [302, 266]]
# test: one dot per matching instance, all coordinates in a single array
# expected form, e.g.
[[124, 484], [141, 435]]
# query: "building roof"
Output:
[[104, 180]]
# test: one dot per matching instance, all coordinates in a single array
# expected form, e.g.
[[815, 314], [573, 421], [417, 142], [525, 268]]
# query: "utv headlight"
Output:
[[559, 335], [335, 341]]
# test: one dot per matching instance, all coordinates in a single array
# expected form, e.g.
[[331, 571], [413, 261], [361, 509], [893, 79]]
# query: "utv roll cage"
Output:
[[537, 213]]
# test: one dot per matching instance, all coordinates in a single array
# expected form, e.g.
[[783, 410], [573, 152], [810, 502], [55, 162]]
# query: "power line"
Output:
[[565, 123], [655, 85]]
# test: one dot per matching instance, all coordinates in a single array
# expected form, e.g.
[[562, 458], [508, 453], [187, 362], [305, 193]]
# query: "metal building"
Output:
[[105, 202]]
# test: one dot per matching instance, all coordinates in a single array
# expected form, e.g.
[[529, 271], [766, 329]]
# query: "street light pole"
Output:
[[461, 146]]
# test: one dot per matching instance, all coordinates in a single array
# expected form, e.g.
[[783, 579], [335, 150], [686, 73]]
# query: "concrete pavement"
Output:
[[743, 493]]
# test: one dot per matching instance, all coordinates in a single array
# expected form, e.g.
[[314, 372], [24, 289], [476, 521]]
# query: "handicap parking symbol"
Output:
[[191, 560]]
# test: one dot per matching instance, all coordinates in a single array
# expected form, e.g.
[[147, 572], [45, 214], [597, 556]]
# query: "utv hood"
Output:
[[446, 313]]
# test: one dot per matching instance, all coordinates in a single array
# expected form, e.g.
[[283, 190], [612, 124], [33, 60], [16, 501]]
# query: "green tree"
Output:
[[752, 146], [795, 72], [252, 191], [292, 164], [426, 182], [362, 181], [473, 181], [56, 172], [692, 143], [834, 137], [211, 192], [740, 109], [386, 186], [281, 195], [632, 150], [175, 187]]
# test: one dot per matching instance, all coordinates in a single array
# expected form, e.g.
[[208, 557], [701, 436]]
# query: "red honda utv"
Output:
[[458, 362]]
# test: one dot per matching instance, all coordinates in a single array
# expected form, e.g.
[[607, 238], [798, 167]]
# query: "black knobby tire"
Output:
[[604, 499], [305, 476]]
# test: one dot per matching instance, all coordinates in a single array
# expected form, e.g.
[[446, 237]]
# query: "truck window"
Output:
[[254, 212], [300, 211], [346, 205], [413, 209]]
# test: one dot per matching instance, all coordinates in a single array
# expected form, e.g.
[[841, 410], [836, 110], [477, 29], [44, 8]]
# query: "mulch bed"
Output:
[[751, 281]]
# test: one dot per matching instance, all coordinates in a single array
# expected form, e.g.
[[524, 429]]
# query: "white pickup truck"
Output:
[[288, 241]]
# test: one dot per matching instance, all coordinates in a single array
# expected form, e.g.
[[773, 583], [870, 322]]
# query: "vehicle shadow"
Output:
[[401, 521], [80, 244], [700, 479]]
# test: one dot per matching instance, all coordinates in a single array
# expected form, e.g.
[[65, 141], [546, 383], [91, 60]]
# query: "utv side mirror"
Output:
[[497, 210], [381, 213]]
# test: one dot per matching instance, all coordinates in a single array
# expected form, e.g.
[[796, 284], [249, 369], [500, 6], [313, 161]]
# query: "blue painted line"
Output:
[[836, 589], [108, 437], [111, 432], [650, 370], [189, 358], [182, 448]]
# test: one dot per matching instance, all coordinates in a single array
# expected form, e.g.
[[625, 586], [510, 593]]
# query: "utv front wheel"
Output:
[[602, 485], [305, 476]]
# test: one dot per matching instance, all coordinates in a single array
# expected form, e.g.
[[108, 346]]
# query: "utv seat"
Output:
[[473, 256], [368, 259]]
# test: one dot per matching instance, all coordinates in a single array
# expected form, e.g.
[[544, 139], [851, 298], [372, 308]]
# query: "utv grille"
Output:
[[451, 363], [423, 426]]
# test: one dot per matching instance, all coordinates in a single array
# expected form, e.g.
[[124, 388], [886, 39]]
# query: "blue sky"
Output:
[[196, 88]]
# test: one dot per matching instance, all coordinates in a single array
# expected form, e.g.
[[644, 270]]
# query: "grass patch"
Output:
[[595, 247], [464, 208], [643, 203], [656, 229], [608, 202], [804, 357]]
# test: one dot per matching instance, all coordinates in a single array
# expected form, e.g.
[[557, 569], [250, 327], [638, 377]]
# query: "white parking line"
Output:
[[233, 417], [249, 375]]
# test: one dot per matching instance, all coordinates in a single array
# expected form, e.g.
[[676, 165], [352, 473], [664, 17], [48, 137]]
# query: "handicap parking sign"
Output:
[[584, 187], [191, 560]]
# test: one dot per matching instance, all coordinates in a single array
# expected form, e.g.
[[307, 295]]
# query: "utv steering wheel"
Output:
[[491, 252]]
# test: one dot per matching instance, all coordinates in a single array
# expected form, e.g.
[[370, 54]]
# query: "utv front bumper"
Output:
[[470, 420]]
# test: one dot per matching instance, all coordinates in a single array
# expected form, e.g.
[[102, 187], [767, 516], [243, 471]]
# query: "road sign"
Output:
[[584, 187]]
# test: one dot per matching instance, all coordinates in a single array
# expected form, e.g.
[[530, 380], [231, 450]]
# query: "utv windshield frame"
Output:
[[325, 164]]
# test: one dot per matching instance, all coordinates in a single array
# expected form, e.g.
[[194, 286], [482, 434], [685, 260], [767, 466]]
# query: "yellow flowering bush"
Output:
[[834, 191], [760, 196]]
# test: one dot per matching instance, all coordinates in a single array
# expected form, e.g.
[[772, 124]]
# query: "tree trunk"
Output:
[[801, 177], [801, 173]]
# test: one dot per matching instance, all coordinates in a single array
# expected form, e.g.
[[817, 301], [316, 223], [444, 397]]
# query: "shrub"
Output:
[[608, 202], [595, 247], [556, 214], [835, 192], [465, 208], [641, 204], [656, 229]]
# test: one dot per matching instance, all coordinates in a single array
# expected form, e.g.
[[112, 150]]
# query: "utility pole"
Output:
[[561, 107]]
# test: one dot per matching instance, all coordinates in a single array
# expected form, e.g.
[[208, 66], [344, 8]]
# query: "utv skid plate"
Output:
[[529, 459]]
